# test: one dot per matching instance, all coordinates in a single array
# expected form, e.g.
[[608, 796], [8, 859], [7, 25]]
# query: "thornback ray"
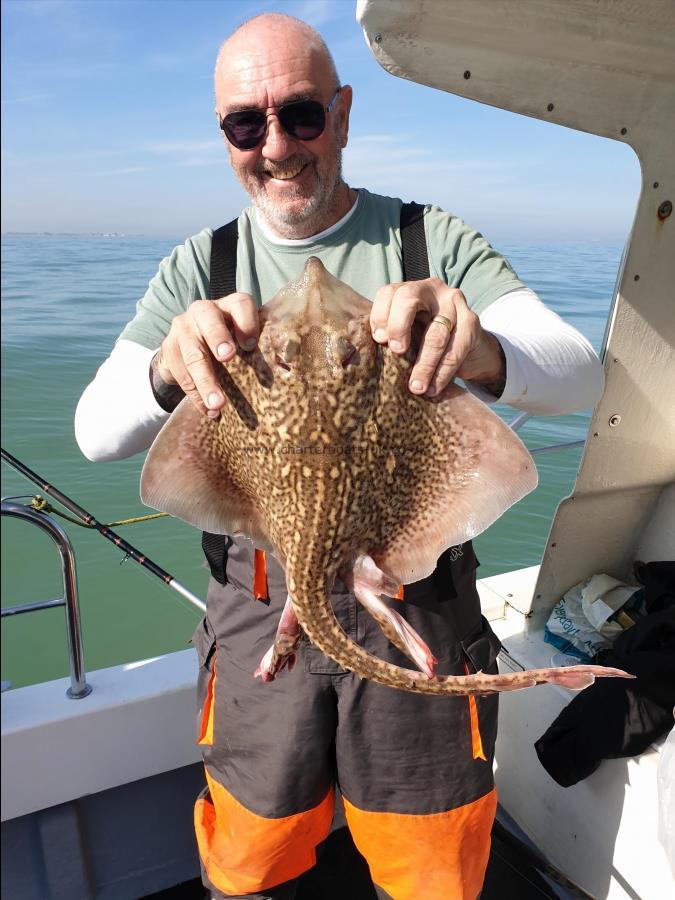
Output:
[[323, 456]]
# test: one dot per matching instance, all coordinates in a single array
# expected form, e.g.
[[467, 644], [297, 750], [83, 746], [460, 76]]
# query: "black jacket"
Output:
[[616, 717]]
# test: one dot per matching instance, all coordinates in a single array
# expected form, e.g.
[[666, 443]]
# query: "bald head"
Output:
[[271, 36]]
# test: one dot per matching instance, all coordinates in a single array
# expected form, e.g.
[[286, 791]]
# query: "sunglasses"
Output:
[[303, 120]]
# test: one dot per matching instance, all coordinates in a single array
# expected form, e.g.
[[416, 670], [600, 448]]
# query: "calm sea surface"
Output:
[[64, 301]]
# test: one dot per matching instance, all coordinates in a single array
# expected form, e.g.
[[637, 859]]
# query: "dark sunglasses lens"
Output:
[[304, 120], [244, 129]]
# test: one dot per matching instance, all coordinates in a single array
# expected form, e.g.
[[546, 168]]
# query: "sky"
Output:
[[108, 126]]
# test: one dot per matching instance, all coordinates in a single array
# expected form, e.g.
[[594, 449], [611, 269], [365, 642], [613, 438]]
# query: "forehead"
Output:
[[270, 74]]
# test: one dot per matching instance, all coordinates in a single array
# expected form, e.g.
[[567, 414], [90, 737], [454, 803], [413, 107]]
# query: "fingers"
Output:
[[379, 314], [205, 335], [209, 326], [395, 308], [195, 360], [243, 312], [460, 343], [409, 301], [446, 343], [433, 355]]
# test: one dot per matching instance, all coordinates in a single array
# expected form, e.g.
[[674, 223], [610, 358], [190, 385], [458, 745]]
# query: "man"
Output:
[[415, 772]]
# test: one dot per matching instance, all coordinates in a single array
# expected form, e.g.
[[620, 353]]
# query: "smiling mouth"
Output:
[[288, 174]]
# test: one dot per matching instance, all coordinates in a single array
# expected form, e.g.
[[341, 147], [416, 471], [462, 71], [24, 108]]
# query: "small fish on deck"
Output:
[[325, 458]]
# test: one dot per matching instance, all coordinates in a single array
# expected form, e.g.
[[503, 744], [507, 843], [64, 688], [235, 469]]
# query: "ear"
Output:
[[345, 105]]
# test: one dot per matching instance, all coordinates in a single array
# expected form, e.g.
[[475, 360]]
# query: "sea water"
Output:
[[65, 298]]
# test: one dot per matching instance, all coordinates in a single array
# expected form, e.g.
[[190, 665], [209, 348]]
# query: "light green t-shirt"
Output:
[[364, 252]]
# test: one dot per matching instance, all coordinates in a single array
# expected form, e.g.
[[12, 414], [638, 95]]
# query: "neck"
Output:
[[341, 202]]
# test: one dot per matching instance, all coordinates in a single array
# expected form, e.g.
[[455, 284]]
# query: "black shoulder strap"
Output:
[[456, 561], [415, 260], [413, 243], [223, 274], [222, 281]]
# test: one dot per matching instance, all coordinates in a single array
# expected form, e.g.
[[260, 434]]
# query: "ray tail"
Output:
[[316, 617]]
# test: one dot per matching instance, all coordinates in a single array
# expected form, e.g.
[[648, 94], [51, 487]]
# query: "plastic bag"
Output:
[[581, 624]]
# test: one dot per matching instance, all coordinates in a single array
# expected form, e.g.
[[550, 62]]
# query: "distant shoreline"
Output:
[[496, 241], [70, 234]]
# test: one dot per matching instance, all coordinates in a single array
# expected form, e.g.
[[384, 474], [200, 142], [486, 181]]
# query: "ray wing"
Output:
[[194, 474], [452, 469]]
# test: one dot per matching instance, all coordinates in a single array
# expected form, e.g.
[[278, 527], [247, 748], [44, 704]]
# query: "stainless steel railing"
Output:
[[523, 417], [78, 683]]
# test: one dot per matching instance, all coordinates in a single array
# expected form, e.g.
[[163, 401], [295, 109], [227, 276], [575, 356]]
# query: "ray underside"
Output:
[[322, 455]]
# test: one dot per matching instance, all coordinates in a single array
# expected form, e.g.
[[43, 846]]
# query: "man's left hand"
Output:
[[455, 344]]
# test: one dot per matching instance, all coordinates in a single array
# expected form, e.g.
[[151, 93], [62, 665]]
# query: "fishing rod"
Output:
[[103, 530]]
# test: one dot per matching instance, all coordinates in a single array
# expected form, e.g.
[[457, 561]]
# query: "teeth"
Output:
[[286, 176]]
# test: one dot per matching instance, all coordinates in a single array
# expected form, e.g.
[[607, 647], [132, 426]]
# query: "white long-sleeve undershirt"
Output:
[[551, 369], [117, 415]]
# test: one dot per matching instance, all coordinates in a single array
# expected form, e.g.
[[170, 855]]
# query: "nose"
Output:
[[277, 144]]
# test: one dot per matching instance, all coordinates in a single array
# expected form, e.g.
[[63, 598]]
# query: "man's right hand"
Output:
[[202, 338]]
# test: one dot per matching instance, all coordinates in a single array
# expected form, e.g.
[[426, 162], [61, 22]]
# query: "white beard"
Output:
[[316, 208]]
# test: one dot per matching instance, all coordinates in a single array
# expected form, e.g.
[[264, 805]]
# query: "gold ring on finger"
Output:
[[442, 320]]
